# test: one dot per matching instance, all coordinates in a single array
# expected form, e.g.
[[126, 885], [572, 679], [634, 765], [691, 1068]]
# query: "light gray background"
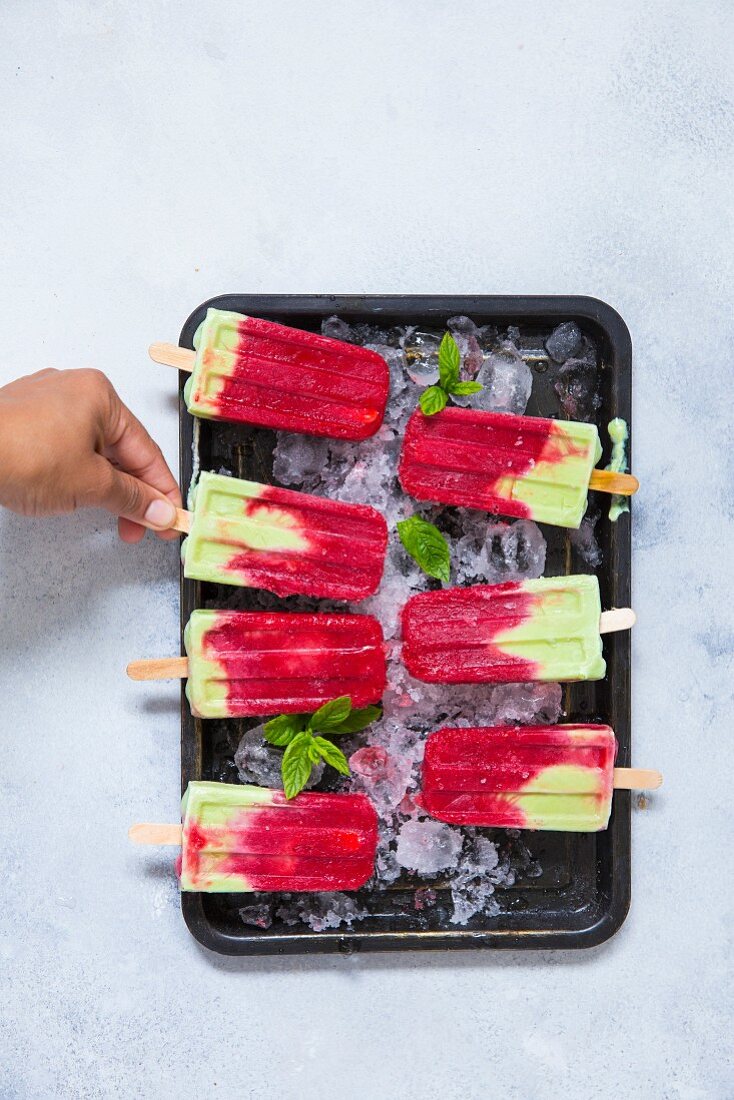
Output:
[[155, 154]]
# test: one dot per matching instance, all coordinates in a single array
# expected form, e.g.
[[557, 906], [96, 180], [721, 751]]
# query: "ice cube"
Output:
[[299, 460], [461, 325], [507, 380], [515, 551], [363, 334], [259, 762], [370, 762], [577, 387], [428, 846], [259, 915], [495, 551], [526, 704], [564, 341], [338, 329], [464, 331], [584, 541], [383, 777], [421, 356], [489, 338]]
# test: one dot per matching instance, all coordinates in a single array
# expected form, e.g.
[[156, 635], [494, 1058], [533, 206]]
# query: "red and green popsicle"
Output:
[[242, 663], [273, 376], [237, 839], [520, 631], [526, 777], [261, 536], [522, 466]]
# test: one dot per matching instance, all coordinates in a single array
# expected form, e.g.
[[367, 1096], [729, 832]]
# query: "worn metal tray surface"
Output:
[[582, 896]]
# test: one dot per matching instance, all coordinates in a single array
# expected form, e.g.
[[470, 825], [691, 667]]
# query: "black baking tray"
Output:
[[583, 894]]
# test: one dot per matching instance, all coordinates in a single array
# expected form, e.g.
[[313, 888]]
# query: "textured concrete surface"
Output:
[[158, 153]]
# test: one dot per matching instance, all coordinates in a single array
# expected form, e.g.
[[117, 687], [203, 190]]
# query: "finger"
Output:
[[168, 536], [44, 373], [128, 531], [129, 446], [134, 532], [128, 496]]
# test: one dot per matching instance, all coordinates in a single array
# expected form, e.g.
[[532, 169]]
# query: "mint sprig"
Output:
[[331, 754], [426, 546], [297, 764], [435, 398], [282, 730], [331, 715], [299, 734]]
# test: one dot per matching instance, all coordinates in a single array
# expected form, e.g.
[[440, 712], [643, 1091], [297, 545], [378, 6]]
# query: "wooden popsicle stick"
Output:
[[609, 481], [171, 355], [154, 834], [183, 522], [620, 618], [159, 668], [637, 779]]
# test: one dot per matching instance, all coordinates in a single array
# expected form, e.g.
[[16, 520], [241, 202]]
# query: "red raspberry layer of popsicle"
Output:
[[263, 536], [520, 777], [262, 373], [521, 466], [265, 663], [544, 629], [242, 838]]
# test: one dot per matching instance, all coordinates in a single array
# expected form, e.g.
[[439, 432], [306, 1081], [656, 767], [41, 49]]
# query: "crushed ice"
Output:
[[427, 846], [385, 760], [320, 911]]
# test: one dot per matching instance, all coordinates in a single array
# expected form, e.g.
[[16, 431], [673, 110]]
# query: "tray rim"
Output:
[[608, 921]]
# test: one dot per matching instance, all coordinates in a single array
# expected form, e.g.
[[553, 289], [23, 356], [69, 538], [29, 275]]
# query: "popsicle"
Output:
[[545, 629], [526, 777], [239, 839], [259, 662], [261, 536], [522, 466], [258, 372]]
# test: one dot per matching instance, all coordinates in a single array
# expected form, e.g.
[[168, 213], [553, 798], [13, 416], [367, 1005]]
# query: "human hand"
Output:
[[67, 442]]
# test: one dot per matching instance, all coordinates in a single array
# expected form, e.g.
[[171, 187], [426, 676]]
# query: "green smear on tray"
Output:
[[619, 434]]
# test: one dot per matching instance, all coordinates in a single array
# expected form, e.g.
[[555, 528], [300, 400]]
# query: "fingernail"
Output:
[[160, 513]]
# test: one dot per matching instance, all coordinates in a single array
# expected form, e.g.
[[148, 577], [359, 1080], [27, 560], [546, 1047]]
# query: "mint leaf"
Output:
[[449, 361], [433, 400], [313, 751], [358, 720], [296, 765], [331, 715], [282, 730], [303, 750], [331, 754], [427, 546], [463, 388]]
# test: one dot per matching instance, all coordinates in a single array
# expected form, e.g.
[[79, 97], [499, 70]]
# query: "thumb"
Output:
[[125, 495]]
